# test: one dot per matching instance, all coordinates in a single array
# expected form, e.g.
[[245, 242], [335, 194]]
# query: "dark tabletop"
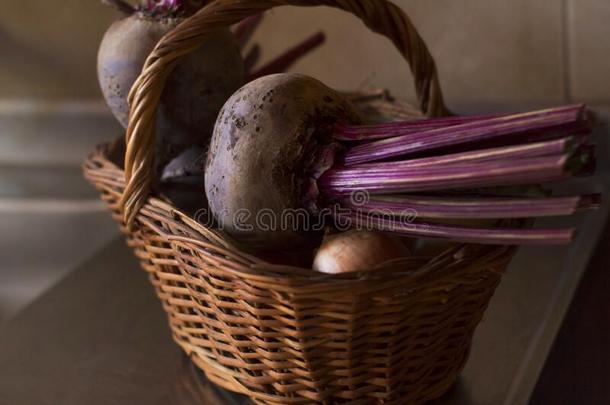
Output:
[[99, 337]]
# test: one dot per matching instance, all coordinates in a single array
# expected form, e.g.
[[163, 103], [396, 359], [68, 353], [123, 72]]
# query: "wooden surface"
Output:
[[99, 337]]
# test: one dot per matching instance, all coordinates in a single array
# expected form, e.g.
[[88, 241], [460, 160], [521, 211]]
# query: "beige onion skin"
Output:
[[357, 250]]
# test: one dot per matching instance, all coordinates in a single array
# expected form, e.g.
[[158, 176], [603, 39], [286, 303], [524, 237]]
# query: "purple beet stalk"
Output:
[[245, 29], [390, 129], [386, 130], [494, 236], [447, 177], [252, 57], [438, 207], [290, 56], [536, 149], [556, 121], [472, 153], [424, 123]]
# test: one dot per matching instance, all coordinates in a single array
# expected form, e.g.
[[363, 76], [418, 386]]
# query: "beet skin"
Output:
[[267, 151], [194, 92]]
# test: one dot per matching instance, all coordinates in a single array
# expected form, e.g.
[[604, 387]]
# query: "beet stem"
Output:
[[290, 57], [537, 149], [432, 123], [488, 236], [337, 182], [244, 31], [380, 131], [475, 208], [477, 131], [252, 57]]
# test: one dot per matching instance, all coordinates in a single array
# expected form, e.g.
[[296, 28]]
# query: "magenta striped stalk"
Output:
[[454, 160], [290, 57], [492, 236], [473, 207], [252, 57], [379, 131], [337, 182], [537, 149], [425, 124], [245, 29], [477, 131]]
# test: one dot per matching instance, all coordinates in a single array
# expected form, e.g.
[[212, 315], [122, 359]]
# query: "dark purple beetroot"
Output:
[[122, 54], [195, 91], [187, 168], [182, 183], [265, 157]]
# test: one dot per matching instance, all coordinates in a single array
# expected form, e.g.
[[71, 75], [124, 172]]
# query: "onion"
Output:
[[357, 251]]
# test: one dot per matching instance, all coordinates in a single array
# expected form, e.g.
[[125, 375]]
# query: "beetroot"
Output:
[[264, 150], [283, 159], [196, 89]]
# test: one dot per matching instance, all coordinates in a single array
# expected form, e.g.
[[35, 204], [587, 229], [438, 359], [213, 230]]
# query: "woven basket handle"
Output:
[[380, 16]]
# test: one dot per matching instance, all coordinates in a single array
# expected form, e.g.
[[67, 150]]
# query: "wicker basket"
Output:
[[284, 335]]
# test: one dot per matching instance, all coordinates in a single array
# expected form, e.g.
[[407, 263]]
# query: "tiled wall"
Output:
[[489, 52]]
